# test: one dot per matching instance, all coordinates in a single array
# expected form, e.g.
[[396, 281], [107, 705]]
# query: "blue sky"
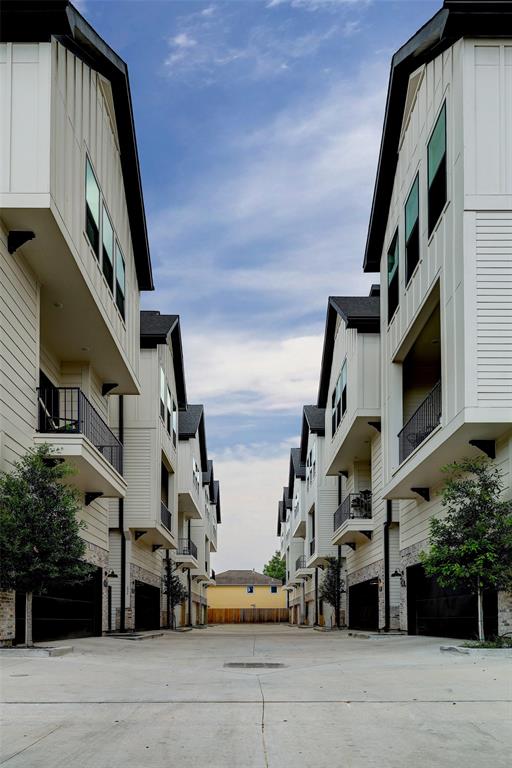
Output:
[[258, 124]]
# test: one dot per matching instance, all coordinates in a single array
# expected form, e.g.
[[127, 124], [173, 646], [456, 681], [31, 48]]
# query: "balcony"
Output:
[[186, 553], [353, 522], [421, 424], [301, 568], [69, 423], [165, 517]]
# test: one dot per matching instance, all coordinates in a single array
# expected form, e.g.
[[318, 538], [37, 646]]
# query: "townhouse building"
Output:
[[198, 516], [74, 259], [143, 528], [363, 524], [440, 235]]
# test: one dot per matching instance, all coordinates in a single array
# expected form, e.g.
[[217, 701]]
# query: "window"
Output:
[[273, 590], [250, 590], [436, 156], [393, 276], [412, 230], [92, 209], [120, 280], [169, 411], [195, 475], [339, 398], [174, 423], [107, 237], [162, 394]]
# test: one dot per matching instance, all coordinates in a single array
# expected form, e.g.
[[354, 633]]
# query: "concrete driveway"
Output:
[[338, 701]]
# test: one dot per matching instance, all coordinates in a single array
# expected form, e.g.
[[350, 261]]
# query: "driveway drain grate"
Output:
[[254, 664]]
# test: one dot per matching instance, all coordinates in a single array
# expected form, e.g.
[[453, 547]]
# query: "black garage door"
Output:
[[147, 606], [66, 611], [363, 605], [436, 611]]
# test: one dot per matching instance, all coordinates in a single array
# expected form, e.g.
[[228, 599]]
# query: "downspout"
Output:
[[386, 564], [189, 584], [122, 621], [316, 596], [338, 592], [170, 621], [303, 606]]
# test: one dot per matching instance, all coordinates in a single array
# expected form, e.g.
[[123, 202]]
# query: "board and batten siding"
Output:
[[19, 353]]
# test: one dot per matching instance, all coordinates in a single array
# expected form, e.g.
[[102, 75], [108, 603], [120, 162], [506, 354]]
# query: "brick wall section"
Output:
[[98, 556], [409, 556], [7, 618], [505, 613]]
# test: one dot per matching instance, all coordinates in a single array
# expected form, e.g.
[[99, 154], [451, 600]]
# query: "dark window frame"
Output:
[[393, 283], [412, 242], [108, 267], [437, 186], [92, 229]]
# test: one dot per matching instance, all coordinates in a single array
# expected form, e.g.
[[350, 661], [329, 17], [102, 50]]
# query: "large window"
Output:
[[174, 423], [107, 238], [412, 230], [162, 394], [169, 411], [393, 255], [436, 154], [92, 209], [120, 280], [339, 398]]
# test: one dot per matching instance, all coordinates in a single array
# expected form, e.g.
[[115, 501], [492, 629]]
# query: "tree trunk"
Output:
[[480, 598], [28, 620]]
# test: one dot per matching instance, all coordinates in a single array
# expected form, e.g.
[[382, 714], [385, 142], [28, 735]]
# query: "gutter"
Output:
[[386, 565], [122, 619]]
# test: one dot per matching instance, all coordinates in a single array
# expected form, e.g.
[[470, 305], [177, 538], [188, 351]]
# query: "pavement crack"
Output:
[[20, 751], [264, 744]]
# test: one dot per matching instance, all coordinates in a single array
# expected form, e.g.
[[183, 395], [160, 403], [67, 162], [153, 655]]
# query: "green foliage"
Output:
[[172, 585], [333, 585], [501, 641], [39, 530], [276, 567], [472, 545]]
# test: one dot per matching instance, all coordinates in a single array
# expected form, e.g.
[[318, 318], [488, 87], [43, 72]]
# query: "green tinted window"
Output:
[[412, 209], [393, 258], [92, 194], [108, 237], [437, 145]]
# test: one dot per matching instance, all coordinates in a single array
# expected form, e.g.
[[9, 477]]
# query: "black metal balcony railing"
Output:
[[300, 562], [356, 506], [187, 547], [165, 516], [66, 410], [311, 547], [423, 421]]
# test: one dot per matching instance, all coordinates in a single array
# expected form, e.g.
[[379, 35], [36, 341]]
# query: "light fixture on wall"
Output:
[[112, 575]]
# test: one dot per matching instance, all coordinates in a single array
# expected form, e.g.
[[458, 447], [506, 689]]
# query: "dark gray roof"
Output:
[[153, 323], [245, 578], [190, 424], [33, 21], [359, 312], [208, 475], [313, 420], [280, 507], [297, 470], [286, 499], [456, 19]]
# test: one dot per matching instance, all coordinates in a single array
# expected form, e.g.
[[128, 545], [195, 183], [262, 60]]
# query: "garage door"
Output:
[[67, 611], [440, 612], [147, 606], [363, 605]]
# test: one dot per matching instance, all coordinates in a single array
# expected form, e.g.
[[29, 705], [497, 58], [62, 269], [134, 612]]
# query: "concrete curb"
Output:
[[496, 652], [136, 636], [61, 650]]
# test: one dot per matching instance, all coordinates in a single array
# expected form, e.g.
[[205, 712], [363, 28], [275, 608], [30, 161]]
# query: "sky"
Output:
[[258, 126]]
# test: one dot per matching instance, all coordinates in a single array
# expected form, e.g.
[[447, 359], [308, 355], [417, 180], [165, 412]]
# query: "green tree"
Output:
[[40, 543], [333, 586], [173, 588], [276, 567], [472, 545]]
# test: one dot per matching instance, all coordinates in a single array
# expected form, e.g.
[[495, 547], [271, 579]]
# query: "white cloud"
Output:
[[315, 5], [251, 478], [249, 375]]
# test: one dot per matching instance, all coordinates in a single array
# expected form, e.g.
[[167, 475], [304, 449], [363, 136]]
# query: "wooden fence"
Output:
[[247, 615]]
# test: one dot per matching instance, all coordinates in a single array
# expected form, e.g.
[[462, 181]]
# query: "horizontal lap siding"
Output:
[[494, 308], [143, 556], [95, 518], [19, 333]]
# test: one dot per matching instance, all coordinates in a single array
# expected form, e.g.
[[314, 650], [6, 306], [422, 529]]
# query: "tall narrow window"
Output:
[[393, 254], [162, 394], [334, 423], [169, 410], [92, 209], [174, 423], [437, 171], [412, 230], [120, 280], [343, 385], [108, 248]]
